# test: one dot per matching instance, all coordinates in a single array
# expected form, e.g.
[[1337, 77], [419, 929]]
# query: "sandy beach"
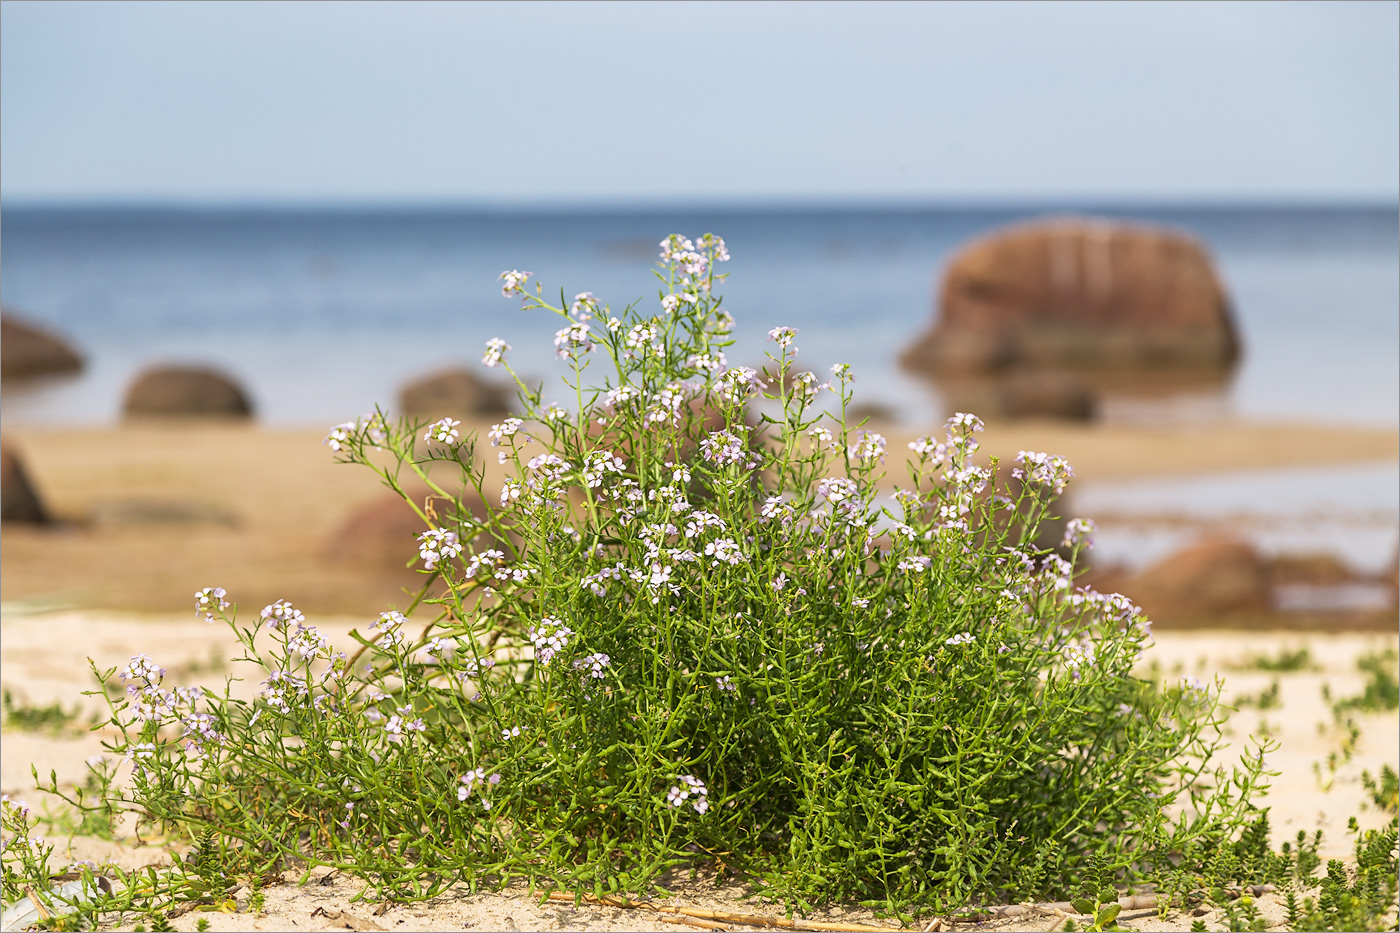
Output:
[[45, 660], [151, 513], [148, 514]]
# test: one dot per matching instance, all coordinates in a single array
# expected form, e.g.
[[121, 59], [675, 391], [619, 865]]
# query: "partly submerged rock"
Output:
[[1057, 395], [20, 501], [1079, 294], [30, 350], [1214, 576], [185, 391], [456, 393]]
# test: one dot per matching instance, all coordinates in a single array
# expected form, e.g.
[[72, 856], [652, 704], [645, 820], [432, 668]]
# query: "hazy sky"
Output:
[[696, 102]]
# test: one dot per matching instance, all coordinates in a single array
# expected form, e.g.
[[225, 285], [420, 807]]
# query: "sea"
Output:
[[323, 313]]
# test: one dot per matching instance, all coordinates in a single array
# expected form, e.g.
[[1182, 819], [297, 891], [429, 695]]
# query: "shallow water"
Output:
[[323, 314], [1351, 511]]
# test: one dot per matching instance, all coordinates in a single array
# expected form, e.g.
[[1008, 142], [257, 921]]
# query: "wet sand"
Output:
[[150, 514]]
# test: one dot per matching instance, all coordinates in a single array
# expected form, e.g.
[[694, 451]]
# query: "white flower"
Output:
[[964, 420], [514, 282], [444, 431], [724, 551], [549, 637], [508, 428], [308, 642], [282, 613], [1048, 471], [930, 450], [782, 336], [689, 785], [209, 601], [599, 464], [837, 488], [584, 306], [495, 352], [437, 545], [869, 447], [594, 664], [339, 437], [740, 382], [1079, 532], [962, 638], [572, 340]]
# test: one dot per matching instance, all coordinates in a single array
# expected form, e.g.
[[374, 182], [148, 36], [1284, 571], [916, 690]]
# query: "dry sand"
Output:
[[153, 513], [45, 659]]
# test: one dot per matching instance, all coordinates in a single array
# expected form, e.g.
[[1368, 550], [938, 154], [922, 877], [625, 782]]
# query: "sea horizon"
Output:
[[323, 310]]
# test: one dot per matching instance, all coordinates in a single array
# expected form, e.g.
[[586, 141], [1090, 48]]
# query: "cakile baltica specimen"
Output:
[[698, 626]]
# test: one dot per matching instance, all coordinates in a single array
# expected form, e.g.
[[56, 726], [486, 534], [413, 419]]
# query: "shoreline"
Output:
[[150, 513]]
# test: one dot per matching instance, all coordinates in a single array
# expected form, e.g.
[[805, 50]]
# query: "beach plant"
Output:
[[704, 623]]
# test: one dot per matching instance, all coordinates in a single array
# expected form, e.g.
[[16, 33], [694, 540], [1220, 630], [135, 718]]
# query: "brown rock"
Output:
[[1048, 395], [456, 393], [18, 500], [1079, 294], [1213, 576], [185, 391], [29, 350], [1318, 569]]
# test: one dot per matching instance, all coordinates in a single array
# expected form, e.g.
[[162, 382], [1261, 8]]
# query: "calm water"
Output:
[[322, 314]]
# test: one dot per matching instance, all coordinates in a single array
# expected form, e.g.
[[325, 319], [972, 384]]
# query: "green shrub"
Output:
[[699, 627]]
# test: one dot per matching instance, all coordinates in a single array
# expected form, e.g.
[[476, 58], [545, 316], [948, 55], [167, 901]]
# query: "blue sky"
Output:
[[632, 103]]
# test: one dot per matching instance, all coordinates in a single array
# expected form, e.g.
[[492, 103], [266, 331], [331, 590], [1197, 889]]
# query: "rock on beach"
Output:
[[457, 393], [185, 391], [20, 501], [1214, 576], [1079, 294], [30, 350]]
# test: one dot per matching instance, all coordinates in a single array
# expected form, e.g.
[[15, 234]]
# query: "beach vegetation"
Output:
[[699, 628]]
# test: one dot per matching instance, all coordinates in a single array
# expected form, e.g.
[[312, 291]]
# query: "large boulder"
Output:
[[457, 393], [29, 350], [1215, 576], [1079, 294], [163, 391], [20, 502]]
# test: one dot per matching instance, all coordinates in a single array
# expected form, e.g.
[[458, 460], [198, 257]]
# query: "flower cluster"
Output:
[[495, 352], [514, 282], [549, 637], [209, 601], [476, 781], [443, 431], [385, 629], [573, 341], [1051, 472], [782, 336], [690, 786], [370, 427], [1079, 532], [593, 664], [437, 545], [281, 614]]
